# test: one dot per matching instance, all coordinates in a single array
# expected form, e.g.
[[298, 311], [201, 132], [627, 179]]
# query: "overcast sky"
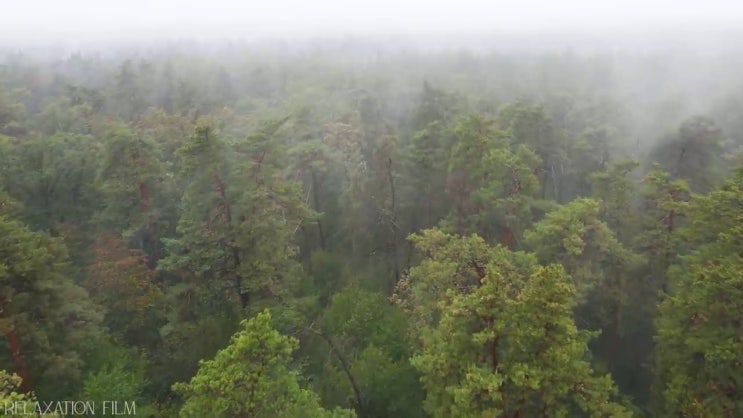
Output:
[[55, 20]]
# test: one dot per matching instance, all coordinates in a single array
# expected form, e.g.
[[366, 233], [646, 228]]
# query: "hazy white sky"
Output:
[[55, 19]]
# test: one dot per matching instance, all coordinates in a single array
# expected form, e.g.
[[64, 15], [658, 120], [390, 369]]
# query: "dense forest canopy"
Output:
[[350, 226]]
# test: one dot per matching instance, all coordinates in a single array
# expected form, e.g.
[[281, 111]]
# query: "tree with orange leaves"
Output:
[[121, 281]]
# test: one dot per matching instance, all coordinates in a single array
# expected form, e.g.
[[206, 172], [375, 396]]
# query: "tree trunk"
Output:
[[20, 366], [347, 370], [393, 226], [15, 354], [145, 207], [614, 337], [316, 201]]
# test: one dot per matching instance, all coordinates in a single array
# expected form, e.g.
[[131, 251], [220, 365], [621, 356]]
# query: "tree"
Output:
[[53, 177], [128, 92], [120, 280], [665, 211], [596, 149], [574, 236], [44, 315], [699, 350], [238, 222], [615, 190], [491, 182], [130, 180], [531, 126], [369, 358], [315, 163], [476, 137], [693, 153], [600, 267], [12, 113], [346, 140], [15, 402], [116, 372], [496, 336], [234, 249], [251, 377], [509, 191], [423, 184], [433, 105]]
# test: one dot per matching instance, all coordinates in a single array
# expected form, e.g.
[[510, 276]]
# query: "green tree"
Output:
[[694, 153], [234, 250], [369, 362], [130, 175], [115, 372], [574, 236], [44, 315], [616, 191], [12, 113], [252, 377], [496, 335], [476, 137], [665, 204], [492, 183], [532, 126], [53, 177], [601, 268], [700, 339], [425, 166], [238, 222], [15, 402]]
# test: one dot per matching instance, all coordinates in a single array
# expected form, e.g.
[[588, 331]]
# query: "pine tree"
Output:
[[130, 179], [496, 335], [234, 252], [700, 338], [252, 377], [44, 315]]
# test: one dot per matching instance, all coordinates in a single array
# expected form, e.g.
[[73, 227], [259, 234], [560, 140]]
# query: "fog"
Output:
[[626, 23]]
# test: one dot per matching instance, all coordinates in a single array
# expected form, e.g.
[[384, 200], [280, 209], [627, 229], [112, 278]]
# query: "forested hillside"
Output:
[[336, 229]]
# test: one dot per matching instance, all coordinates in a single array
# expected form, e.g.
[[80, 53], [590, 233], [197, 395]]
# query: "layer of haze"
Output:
[[75, 22]]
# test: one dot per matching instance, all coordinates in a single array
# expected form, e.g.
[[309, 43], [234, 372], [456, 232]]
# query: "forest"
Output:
[[339, 228]]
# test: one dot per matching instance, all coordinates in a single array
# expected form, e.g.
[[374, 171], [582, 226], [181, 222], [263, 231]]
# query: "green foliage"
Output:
[[219, 235], [666, 209], [699, 333], [532, 126], [615, 190], [497, 336], [694, 154], [493, 186], [252, 377], [574, 236], [10, 383], [45, 316], [289, 178], [369, 333], [53, 177], [425, 167], [15, 403], [116, 373], [130, 175], [362, 316], [234, 250], [12, 113]]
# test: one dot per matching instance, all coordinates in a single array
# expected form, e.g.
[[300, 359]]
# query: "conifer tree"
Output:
[[700, 338], [252, 377], [496, 335], [44, 315]]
